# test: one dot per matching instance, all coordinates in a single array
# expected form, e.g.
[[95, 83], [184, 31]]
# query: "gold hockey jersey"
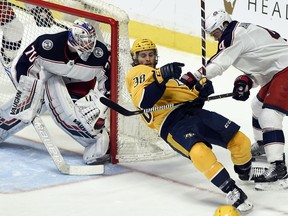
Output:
[[143, 89]]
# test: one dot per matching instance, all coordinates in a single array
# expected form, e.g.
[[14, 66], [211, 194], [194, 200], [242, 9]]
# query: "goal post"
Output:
[[130, 139]]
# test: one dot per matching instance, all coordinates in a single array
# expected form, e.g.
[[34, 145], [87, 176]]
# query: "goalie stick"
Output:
[[55, 154], [53, 150], [118, 108]]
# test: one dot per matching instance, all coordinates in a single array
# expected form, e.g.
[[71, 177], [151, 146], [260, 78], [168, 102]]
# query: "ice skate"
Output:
[[248, 172], [102, 160], [275, 178], [254, 172], [238, 199]]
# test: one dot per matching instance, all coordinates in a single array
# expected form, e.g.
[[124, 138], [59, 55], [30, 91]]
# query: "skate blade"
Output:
[[272, 186], [245, 207], [259, 158]]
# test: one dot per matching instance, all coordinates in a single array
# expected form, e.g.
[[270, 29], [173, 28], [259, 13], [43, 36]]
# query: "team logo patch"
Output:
[[98, 52], [47, 44]]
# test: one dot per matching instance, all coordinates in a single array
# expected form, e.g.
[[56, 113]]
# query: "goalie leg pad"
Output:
[[28, 100], [94, 152], [9, 126], [62, 109]]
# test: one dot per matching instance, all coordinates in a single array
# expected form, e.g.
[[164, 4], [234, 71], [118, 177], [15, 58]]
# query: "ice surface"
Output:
[[30, 185]]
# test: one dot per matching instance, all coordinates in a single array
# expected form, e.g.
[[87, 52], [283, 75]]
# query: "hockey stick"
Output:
[[126, 112], [29, 12], [53, 150], [56, 156], [203, 37]]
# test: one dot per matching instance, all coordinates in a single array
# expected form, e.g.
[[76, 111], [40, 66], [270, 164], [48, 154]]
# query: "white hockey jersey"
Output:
[[256, 51], [48, 55]]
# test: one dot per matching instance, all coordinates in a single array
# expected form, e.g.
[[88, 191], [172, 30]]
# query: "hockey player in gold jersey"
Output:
[[188, 129]]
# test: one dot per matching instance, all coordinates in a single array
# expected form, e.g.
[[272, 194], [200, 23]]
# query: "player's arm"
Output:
[[103, 80], [148, 84], [27, 60], [223, 60], [229, 49], [155, 90]]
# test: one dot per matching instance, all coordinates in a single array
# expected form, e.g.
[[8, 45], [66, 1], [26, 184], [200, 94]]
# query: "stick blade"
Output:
[[82, 170]]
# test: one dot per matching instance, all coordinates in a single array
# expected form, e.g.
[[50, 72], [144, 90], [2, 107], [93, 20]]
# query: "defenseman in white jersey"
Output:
[[62, 69], [262, 55]]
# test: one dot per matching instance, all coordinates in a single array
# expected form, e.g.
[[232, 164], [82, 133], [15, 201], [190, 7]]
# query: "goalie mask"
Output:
[[82, 37], [216, 20], [143, 45]]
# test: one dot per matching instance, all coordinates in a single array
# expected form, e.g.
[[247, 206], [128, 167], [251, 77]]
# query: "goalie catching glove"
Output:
[[242, 86], [77, 119], [91, 111]]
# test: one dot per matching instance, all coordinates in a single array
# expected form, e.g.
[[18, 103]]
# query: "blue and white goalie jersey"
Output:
[[48, 55]]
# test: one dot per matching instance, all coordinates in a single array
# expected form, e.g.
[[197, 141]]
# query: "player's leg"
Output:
[[257, 148], [19, 111], [225, 133], [67, 115], [239, 146], [275, 107], [206, 162], [189, 136], [8, 125], [273, 138]]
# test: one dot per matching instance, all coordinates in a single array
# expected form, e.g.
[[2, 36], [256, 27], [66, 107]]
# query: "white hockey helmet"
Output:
[[216, 20], [82, 37]]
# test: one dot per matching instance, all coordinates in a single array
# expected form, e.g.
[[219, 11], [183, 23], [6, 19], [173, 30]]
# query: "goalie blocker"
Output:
[[82, 120]]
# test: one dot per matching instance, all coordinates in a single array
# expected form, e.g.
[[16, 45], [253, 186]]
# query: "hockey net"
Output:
[[130, 139]]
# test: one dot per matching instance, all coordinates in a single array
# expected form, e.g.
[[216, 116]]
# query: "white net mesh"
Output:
[[135, 141]]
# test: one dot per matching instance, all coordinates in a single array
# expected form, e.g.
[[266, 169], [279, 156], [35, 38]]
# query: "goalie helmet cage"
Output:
[[130, 139]]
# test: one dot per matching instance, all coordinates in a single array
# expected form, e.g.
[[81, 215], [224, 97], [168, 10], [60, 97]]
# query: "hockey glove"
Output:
[[171, 70], [188, 79], [42, 16], [203, 88], [242, 86]]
